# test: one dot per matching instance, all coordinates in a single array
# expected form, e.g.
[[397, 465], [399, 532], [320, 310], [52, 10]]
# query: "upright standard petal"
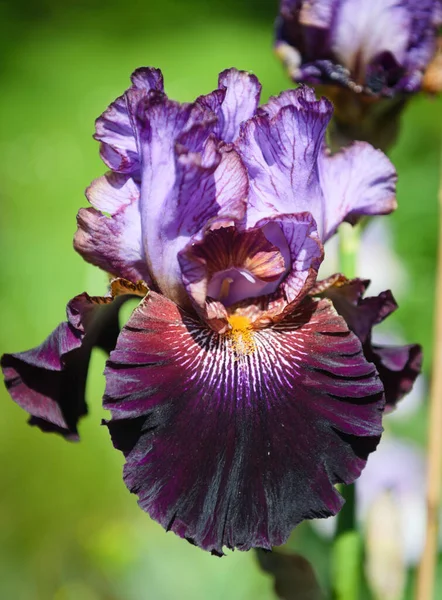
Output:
[[365, 30], [49, 381], [232, 449], [116, 128], [280, 149], [237, 102], [398, 366], [188, 177]]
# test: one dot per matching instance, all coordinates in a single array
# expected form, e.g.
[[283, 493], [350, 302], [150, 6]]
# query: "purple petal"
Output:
[[237, 104], [113, 242], [398, 366], [364, 30], [235, 450], [230, 264], [380, 48], [276, 261], [358, 180], [49, 381], [187, 179], [116, 129], [280, 149], [303, 98], [304, 254]]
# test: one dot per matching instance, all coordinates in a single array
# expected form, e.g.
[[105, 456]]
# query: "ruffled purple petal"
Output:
[[113, 241], [303, 259], [398, 366], [268, 268], [379, 48], [356, 181], [237, 102], [280, 149], [49, 381], [116, 127], [188, 177], [232, 450]]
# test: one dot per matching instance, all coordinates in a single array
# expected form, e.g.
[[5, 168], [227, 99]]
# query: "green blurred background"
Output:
[[69, 529]]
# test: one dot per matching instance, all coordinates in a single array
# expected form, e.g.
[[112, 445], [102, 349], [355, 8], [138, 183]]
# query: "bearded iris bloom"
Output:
[[367, 57], [238, 394], [380, 48]]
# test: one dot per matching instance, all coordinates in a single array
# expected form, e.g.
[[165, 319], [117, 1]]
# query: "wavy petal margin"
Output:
[[49, 381], [113, 241], [356, 181], [398, 366], [234, 102], [231, 450]]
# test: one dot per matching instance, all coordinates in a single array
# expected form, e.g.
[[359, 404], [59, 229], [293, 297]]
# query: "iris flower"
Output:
[[367, 57], [380, 48], [238, 394]]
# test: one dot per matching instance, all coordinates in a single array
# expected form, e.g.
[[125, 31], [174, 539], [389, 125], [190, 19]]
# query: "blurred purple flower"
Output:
[[359, 53], [238, 398], [379, 48]]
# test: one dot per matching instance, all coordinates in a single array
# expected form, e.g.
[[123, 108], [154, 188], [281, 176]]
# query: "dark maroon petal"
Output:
[[360, 313], [231, 449], [49, 380], [398, 366]]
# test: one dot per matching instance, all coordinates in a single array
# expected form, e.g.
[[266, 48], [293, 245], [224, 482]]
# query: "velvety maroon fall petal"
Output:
[[398, 366], [232, 447], [49, 381]]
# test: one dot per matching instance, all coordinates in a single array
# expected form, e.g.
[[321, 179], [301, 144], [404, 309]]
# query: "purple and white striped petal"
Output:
[[379, 48], [234, 450], [364, 30], [235, 101], [356, 181], [280, 149], [116, 128], [188, 178], [113, 241], [49, 381]]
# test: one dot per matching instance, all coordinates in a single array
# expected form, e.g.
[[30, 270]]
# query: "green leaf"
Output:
[[346, 566]]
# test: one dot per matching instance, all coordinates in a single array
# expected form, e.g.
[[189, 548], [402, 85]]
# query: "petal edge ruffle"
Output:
[[235, 451]]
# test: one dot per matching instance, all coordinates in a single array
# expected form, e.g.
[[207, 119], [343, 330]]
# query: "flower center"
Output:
[[241, 335]]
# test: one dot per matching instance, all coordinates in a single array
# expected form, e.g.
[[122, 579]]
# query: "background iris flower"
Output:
[[369, 58]]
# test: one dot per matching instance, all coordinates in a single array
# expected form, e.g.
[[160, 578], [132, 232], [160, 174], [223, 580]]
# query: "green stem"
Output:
[[347, 546], [348, 249], [347, 516]]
